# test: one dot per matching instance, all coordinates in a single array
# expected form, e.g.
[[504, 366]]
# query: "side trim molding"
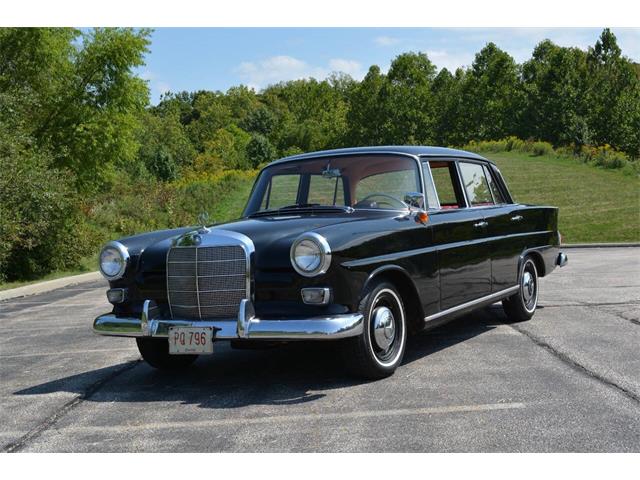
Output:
[[489, 298]]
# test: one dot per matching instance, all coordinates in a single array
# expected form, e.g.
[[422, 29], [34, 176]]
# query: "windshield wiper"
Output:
[[299, 205]]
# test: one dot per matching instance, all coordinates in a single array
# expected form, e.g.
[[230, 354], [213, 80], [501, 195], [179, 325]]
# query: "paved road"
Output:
[[568, 380]]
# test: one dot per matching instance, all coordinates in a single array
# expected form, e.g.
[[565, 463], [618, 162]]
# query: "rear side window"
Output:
[[475, 184], [444, 178], [493, 186]]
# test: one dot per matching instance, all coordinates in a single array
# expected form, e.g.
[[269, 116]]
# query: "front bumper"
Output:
[[245, 326]]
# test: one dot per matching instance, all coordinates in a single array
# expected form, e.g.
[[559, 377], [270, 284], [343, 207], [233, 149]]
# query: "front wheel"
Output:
[[378, 351], [522, 305], [155, 351]]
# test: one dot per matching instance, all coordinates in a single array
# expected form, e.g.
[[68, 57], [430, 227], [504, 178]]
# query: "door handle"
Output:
[[516, 218], [480, 224]]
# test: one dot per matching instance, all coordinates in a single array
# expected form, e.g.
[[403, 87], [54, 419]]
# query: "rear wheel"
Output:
[[378, 351], [522, 305], [155, 351]]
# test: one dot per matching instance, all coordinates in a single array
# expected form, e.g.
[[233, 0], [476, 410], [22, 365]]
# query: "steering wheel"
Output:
[[390, 200]]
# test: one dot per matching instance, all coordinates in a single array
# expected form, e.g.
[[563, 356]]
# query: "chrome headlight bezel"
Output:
[[122, 252], [323, 249]]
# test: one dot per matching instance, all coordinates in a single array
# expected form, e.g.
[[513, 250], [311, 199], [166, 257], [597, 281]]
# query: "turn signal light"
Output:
[[422, 217], [316, 296]]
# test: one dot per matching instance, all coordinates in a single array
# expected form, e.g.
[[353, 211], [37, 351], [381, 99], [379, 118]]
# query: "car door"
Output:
[[506, 225], [459, 235]]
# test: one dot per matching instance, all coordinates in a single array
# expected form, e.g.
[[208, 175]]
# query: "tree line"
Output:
[[76, 122]]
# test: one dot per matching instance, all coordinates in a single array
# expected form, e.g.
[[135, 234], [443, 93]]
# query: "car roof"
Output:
[[416, 150]]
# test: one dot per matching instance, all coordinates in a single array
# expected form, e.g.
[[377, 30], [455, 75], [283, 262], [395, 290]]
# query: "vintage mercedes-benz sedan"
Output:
[[361, 246]]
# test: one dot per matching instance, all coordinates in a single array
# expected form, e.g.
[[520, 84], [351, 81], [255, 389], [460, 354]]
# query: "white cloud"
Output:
[[450, 61], [385, 41], [350, 67], [283, 68]]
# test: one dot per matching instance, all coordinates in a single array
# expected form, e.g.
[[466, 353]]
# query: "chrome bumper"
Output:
[[562, 259], [245, 326]]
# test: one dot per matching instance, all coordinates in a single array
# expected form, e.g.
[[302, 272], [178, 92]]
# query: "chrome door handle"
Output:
[[480, 224], [516, 218]]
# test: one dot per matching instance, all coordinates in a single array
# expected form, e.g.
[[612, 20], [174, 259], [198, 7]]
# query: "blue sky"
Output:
[[218, 58]]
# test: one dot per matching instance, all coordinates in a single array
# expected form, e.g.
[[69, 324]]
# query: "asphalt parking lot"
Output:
[[567, 380]]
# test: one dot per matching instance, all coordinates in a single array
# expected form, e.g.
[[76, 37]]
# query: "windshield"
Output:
[[359, 182]]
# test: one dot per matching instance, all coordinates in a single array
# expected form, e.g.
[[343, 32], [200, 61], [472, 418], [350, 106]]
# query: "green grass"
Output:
[[596, 205]]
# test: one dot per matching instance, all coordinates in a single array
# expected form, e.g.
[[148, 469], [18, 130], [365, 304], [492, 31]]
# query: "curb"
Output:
[[599, 245], [49, 285]]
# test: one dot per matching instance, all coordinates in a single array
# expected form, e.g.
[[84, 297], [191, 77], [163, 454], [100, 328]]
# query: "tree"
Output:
[[448, 108], [85, 99], [491, 95], [40, 215], [261, 120], [366, 117], [554, 81], [312, 114], [260, 150], [612, 95], [227, 149], [165, 147], [409, 104]]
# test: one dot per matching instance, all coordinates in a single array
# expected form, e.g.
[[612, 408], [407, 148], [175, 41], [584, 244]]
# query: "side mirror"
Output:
[[414, 199]]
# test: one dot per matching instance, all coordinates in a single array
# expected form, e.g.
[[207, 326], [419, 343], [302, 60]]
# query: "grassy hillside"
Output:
[[596, 205]]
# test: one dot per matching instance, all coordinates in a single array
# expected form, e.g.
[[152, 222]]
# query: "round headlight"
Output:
[[310, 254], [114, 259]]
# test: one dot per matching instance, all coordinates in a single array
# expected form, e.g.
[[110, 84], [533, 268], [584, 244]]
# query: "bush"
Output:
[[40, 216], [129, 209], [604, 156], [541, 148], [514, 144]]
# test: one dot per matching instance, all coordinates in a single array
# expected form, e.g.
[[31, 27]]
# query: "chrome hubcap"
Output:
[[528, 287], [384, 329]]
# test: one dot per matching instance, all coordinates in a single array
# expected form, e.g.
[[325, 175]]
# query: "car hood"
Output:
[[272, 236]]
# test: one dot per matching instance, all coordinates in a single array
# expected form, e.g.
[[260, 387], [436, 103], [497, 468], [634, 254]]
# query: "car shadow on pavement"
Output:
[[292, 374]]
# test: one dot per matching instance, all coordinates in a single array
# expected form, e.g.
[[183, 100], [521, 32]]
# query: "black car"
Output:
[[362, 246]]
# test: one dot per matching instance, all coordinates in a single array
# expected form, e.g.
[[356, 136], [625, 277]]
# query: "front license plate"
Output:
[[190, 340]]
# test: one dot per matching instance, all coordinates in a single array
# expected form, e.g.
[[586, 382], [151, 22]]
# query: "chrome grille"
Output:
[[207, 281]]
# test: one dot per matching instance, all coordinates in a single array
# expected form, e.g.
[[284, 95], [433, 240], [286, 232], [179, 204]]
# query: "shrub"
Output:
[[604, 156], [129, 209], [514, 144], [40, 216], [541, 148]]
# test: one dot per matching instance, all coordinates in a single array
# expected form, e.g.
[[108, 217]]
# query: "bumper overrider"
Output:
[[245, 326]]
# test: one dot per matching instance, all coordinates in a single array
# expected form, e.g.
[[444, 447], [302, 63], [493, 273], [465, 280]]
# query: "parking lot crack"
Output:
[[65, 409], [565, 358]]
